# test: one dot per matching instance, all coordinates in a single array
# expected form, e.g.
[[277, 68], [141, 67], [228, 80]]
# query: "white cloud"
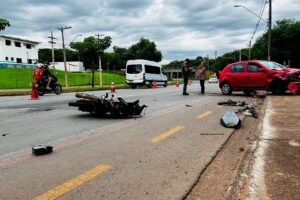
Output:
[[179, 28]]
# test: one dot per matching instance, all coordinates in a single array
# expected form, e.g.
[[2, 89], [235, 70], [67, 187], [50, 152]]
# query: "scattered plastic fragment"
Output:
[[231, 120]]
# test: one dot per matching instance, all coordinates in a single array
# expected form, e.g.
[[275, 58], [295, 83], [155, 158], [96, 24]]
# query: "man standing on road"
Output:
[[185, 72]]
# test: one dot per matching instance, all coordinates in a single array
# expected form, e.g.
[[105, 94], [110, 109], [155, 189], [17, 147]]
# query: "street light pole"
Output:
[[100, 65], [269, 30]]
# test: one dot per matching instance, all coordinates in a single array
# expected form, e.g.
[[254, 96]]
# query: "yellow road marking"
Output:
[[203, 115], [167, 134], [73, 183]]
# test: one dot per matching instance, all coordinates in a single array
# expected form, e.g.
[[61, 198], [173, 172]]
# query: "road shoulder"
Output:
[[226, 177]]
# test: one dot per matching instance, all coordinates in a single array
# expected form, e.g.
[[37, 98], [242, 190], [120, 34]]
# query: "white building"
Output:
[[17, 50]]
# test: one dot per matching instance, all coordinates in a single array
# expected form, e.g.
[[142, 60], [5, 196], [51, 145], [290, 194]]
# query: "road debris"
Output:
[[248, 111], [211, 133], [231, 120], [188, 105], [231, 102], [41, 150]]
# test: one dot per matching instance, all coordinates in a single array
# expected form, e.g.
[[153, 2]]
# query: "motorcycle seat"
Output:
[[122, 101]]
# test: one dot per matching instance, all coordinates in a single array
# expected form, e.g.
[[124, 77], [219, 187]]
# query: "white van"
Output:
[[145, 72]]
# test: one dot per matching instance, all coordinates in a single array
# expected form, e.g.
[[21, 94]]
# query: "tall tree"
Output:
[[3, 24], [90, 49], [45, 55], [145, 49], [285, 43]]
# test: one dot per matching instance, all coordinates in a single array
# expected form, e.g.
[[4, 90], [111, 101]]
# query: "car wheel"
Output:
[[226, 89], [166, 84], [150, 85], [133, 86]]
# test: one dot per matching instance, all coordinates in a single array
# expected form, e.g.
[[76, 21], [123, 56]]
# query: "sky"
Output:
[[180, 29]]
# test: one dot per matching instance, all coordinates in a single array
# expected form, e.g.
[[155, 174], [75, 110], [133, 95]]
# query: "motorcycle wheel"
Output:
[[40, 91], [57, 89]]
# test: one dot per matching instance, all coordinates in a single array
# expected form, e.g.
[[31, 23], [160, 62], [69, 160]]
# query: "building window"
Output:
[[6, 58], [18, 44], [19, 60], [28, 46], [12, 59], [8, 42], [29, 61]]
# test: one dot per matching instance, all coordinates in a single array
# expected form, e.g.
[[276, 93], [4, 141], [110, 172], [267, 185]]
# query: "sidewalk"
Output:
[[276, 171]]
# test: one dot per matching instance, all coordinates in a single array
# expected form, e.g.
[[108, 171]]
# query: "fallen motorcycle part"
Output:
[[107, 107], [41, 150], [231, 120]]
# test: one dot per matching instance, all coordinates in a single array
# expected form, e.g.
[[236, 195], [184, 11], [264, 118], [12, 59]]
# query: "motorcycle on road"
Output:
[[54, 86]]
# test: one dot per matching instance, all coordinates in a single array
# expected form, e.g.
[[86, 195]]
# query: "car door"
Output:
[[256, 76], [237, 75]]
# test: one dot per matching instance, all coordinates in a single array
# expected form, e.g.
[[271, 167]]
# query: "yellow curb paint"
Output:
[[203, 115], [220, 106], [73, 183], [167, 134]]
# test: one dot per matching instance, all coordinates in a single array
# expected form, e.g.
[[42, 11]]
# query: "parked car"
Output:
[[212, 79], [251, 75]]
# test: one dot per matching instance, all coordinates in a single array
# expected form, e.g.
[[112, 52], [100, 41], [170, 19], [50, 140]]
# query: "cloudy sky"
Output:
[[181, 29]]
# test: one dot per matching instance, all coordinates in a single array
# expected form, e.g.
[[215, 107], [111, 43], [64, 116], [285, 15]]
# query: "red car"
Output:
[[251, 75]]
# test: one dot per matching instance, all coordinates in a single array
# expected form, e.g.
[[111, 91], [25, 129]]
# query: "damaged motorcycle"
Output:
[[107, 107]]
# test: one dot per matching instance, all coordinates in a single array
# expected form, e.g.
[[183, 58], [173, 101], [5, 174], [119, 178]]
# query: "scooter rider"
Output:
[[47, 75]]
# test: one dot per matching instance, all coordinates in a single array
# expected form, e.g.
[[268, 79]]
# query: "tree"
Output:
[[285, 43], [145, 49], [3, 24], [45, 55], [90, 49]]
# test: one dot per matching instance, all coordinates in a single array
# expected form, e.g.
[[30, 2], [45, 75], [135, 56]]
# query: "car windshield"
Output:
[[272, 65]]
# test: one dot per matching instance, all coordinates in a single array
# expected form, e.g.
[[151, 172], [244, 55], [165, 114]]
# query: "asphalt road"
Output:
[[157, 156]]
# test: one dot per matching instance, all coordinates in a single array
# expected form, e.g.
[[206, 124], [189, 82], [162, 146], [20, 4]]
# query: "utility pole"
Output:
[[52, 44], [100, 65], [270, 29], [249, 57], [64, 51], [240, 58]]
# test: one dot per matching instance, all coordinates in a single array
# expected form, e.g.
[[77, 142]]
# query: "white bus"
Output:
[[145, 72]]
